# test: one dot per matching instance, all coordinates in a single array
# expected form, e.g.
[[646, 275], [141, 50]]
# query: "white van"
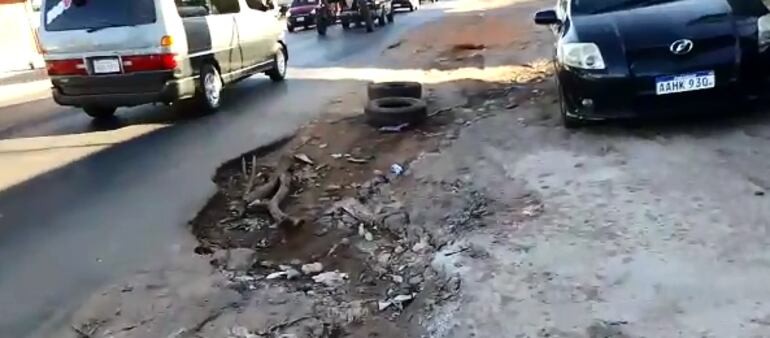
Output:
[[104, 54]]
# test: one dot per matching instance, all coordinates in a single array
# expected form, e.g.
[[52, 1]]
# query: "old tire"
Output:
[[100, 112], [394, 111], [394, 89], [278, 72]]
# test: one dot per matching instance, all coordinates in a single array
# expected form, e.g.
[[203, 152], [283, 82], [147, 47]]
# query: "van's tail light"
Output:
[[145, 63], [66, 67]]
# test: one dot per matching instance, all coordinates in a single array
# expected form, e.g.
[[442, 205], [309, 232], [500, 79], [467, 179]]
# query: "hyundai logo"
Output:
[[681, 47]]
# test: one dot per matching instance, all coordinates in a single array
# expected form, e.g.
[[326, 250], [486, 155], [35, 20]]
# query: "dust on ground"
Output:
[[360, 262]]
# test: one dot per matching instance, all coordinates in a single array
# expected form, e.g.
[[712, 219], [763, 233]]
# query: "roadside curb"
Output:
[[14, 94]]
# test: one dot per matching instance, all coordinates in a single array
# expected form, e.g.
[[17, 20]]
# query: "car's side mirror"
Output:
[[547, 17]]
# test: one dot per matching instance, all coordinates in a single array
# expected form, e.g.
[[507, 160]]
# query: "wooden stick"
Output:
[[273, 206]]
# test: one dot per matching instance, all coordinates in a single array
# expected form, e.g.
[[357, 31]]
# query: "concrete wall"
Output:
[[17, 42]]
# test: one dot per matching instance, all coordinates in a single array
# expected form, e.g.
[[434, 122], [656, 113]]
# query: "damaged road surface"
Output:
[[88, 204], [489, 219]]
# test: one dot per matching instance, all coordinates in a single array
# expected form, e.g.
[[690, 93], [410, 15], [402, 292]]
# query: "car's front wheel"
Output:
[[278, 72], [100, 112], [566, 110]]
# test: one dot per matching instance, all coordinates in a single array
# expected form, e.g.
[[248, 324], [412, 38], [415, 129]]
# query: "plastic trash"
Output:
[[397, 169]]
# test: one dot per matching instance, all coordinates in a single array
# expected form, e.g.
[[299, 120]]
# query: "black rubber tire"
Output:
[[275, 74], [320, 26], [391, 17], [568, 121], [366, 13], [394, 89], [345, 24], [100, 112], [200, 97], [290, 28], [382, 20], [394, 111]]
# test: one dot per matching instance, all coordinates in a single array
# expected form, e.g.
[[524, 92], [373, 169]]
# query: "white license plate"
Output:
[[685, 82], [106, 66], [301, 19]]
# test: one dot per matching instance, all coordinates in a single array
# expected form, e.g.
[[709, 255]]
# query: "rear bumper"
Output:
[[124, 90]]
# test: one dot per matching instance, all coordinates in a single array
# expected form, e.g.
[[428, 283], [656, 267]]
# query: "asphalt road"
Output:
[[68, 232]]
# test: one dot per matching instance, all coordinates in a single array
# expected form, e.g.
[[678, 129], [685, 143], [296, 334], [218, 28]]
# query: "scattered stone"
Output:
[[382, 306], [333, 187], [394, 129], [337, 156], [512, 105], [303, 158], [323, 146], [421, 246], [397, 279], [533, 210], [312, 268], [241, 259], [321, 231], [295, 261], [276, 275], [759, 193], [396, 221], [416, 280], [399, 250], [331, 278], [356, 160], [267, 264], [378, 173], [384, 258], [292, 274]]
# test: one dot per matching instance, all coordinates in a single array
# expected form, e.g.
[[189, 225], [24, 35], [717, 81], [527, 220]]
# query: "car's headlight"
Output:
[[763, 29], [312, 12], [581, 55]]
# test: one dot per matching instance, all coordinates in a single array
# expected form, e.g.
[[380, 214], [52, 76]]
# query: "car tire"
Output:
[[209, 96], [394, 111], [394, 89], [99, 113], [368, 16], [382, 20], [391, 17], [290, 28], [278, 72], [569, 121], [345, 24]]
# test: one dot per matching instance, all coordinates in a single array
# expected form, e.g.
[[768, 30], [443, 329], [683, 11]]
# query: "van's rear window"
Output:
[[64, 15]]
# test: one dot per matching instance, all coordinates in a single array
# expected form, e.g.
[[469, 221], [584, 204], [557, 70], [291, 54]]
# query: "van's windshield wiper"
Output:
[[112, 25], [628, 4]]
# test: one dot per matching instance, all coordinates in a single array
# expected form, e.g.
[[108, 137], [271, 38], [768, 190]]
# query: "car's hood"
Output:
[[302, 9], [640, 38], [659, 24]]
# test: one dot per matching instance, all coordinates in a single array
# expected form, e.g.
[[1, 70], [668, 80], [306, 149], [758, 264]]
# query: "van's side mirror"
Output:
[[547, 17]]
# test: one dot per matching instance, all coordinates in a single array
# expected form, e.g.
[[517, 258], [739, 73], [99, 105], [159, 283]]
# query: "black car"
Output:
[[614, 56]]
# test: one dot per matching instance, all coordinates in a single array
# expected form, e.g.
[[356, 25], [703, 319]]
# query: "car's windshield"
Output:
[[63, 15], [297, 3], [603, 6]]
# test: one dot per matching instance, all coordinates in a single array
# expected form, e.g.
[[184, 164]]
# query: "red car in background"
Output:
[[301, 14]]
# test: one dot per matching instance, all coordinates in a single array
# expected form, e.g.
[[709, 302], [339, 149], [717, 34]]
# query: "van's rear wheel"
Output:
[[100, 112], [278, 73], [210, 92]]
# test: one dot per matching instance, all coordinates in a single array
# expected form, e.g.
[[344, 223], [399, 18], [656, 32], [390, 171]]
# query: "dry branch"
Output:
[[273, 205]]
